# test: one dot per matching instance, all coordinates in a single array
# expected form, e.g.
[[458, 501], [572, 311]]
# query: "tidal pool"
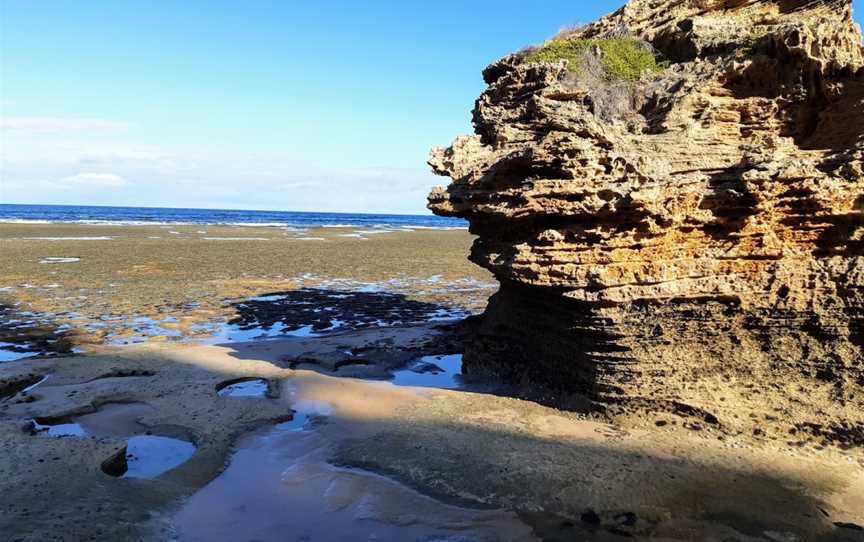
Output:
[[252, 387], [144, 456], [441, 371], [148, 456], [279, 486]]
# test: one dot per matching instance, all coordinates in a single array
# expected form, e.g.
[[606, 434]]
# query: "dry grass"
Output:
[[611, 69], [612, 99]]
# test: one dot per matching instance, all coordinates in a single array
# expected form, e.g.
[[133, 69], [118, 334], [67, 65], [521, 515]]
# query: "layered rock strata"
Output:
[[703, 253]]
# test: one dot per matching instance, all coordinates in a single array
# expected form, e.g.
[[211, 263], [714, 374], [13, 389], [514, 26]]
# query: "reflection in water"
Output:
[[256, 387], [69, 429], [302, 313], [432, 372], [279, 486], [148, 456], [12, 352]]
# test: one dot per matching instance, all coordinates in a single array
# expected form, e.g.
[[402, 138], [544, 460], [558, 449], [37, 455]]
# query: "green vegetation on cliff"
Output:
[[621, 59]]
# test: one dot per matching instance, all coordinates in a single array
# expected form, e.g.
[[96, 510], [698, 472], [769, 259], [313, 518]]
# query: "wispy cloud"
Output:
[[95, 179], [43, 153], [59, 125], [107, 154], [116, 171]]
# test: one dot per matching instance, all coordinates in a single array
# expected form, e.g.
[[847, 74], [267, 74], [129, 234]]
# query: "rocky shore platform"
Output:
[[667, 210], [324, 438], [338, 407]]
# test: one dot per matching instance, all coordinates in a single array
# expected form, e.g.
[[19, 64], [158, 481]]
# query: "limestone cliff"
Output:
[[703, 253]]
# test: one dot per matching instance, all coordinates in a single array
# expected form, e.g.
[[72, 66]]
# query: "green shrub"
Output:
[[623, 59]]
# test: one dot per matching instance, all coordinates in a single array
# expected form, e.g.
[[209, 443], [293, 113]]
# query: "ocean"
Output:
[[80, 214]]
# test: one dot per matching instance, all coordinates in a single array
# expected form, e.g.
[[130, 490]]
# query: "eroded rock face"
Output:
[[703, 254]]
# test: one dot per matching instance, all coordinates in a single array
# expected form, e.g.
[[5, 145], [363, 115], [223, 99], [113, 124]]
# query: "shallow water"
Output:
[[337, 311], [320, 307], [98, 238], [56, 260], [148, 456], [13, 352], [116, 420], [70, 429], [247, 388], [109, 420], [279, 486], [443, 371], [234, 333]]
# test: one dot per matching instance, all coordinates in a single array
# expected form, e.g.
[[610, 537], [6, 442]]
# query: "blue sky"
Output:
[[291, 105]]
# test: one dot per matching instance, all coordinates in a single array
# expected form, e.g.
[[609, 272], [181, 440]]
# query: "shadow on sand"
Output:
[[591, 488]]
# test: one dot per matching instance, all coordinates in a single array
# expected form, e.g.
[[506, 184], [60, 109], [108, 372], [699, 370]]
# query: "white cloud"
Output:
[[41, 170], [106, 154], [44, 153], [95, 179], [59, 125]]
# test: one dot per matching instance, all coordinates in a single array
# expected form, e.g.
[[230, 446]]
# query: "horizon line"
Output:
[[429, 213]]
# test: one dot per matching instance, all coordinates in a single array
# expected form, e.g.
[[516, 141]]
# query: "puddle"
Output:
[[52, 260], [149, 456], [68, 429], [141, 330], [268, 297], [309, 312], [432, 372], [26, 334], [311, 407], [446, 315], [298, 314], [255, 387], [234, 238], [234, 333], [116, 420], [144, 456], [14, 352], [312, 312], [297, 423], [109, 420], [99, 238], [278, 486]]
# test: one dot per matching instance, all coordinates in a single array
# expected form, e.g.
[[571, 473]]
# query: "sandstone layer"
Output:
[[701, 254]]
